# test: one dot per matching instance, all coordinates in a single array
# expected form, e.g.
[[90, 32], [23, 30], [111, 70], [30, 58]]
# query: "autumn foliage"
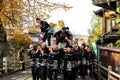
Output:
[[10, 12], [19, 13], [20, 40]]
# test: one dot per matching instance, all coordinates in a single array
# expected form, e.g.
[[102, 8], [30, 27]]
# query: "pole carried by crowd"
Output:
[[49, 61]]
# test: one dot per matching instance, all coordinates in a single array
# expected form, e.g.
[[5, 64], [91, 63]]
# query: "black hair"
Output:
[[67, 28], [63, 28], [84, 44], [70, 46], [38, 19], [88, 46]]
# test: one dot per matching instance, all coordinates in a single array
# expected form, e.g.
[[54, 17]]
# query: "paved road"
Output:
[[25, 75], [20, 75]]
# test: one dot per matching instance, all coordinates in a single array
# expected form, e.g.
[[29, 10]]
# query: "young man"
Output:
[[21, 56], [43, 56], [69, 64], [33, 55], [63, 36], [53, 61], [83, 61], [46, 29], [91, 58]]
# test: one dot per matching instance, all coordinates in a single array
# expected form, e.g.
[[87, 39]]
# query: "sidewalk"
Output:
[[20, 75]]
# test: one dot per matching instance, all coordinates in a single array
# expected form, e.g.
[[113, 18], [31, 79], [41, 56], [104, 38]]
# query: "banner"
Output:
[[95, 48]]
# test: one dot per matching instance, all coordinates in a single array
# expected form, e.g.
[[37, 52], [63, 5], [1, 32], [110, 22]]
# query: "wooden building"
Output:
[[109, 27], [108, 55]]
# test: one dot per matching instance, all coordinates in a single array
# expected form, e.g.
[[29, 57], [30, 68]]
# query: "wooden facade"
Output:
[[108, 13], [108, 55]]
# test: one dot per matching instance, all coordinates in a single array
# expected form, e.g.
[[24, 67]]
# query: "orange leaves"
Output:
[[61, 23], [10, 12], [3, 5], [8, 9], [53, 24], [20, 40], [14, 3], [66, 7], [19, 10], [43, 8], [15, 12]]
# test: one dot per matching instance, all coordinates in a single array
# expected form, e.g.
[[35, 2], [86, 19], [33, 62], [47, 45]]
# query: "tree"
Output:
[[21, 12], [2, 33], [96, 29], [18, 13], [117, 19], [52, 24], [11, 12], [61, 23], [40, 8]]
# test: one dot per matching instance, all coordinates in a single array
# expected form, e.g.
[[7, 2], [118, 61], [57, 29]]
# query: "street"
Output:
[[26, 75]]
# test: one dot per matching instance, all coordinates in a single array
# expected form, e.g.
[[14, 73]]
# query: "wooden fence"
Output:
[[11, 64], [104, 73]]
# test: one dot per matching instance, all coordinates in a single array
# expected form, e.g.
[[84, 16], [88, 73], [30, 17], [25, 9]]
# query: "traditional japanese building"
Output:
[[109, 26], [109, 55]]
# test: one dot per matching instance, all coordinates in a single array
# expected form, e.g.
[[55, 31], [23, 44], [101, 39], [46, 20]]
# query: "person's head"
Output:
[[83, 46], [31, 47], [87, 46], [69, 49], [63, 29], [88, 49], [22, 48], [76, 48], [43, 45], [38, 46], [38, 20], [55, 47], [67, 28]]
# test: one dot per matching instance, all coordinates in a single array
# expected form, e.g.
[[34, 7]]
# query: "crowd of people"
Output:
[[72, 60]]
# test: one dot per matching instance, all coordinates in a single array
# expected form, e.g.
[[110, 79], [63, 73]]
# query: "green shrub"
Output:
[[118, 33], [117, 43]]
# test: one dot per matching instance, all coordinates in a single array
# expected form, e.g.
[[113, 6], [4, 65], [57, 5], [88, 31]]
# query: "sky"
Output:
[[77, 18]]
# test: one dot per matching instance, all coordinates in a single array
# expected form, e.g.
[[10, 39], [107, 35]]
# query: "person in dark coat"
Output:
[[63, 36], [69, 64], [53, 61], [43, 56], [21, 54], [83, 61], [77, 59], [91, 58], [33, 56], [46, 29]]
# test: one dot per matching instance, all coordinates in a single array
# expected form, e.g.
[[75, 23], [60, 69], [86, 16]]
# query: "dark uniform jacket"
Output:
[[45, 26], [83, 56], [60, 36], [53, 56], [33, 54], [69, 57], [91, 57]]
